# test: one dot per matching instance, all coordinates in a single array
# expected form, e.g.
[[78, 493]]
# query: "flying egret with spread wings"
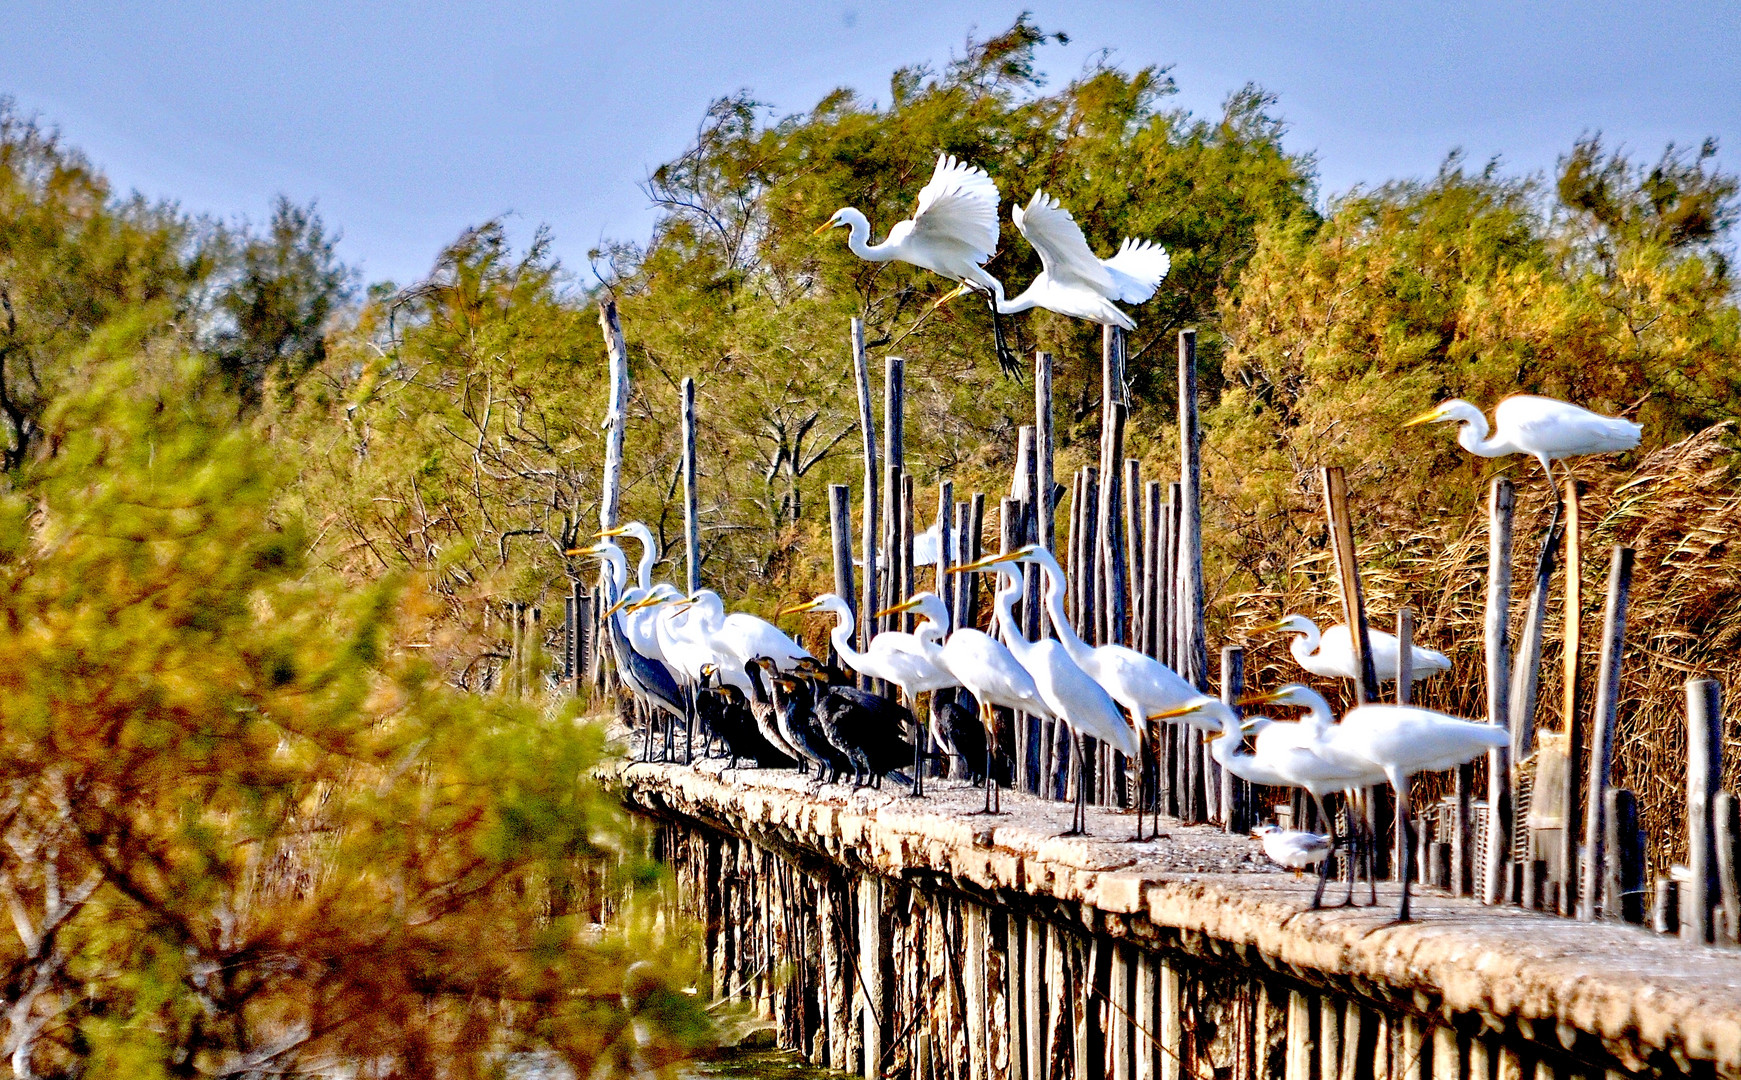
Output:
[[953, 234], [1073, 280]]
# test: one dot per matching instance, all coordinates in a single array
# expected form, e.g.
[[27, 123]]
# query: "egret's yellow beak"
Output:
[[793, 609], [895, 609], [1258, 699], [825, 226], [1174, 714], [983, 564], [616, 530], [1269, 628], [959, 290], [1211, 736], [1427, 417], [595, 549], [618, 606]]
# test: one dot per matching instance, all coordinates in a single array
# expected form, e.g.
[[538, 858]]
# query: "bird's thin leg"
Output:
[[1374, 844], [1324, 868], [1356, 841], [1406, 825], [919, 746], [1006, 360]]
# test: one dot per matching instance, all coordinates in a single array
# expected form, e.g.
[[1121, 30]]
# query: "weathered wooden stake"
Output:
[[1502, 502], [1341, 523], [1567, 871], [1044, 446], [1133, 549], [840, 533], [1235, 793], [691, 504], [1110, 572], [1602, 723], [1623, 871], [1704, 778], [1194, 660], [1726, 826], [869, 501], [1404, 673], [1526, 666]]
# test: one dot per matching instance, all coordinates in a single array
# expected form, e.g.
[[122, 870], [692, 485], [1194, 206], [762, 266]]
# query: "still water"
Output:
[[764, 1065]]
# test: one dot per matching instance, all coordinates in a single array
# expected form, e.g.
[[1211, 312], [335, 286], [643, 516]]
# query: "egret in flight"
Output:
[[1331, 654], [1544, 428], [1073, 280], [953, 234]]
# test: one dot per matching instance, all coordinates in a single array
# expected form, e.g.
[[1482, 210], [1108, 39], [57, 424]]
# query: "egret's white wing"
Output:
[[1137, 269], [1063, 251], [958, 206], [1560, 428]]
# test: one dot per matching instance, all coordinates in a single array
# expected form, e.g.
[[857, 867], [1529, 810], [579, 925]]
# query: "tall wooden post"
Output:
[[1348, 577], [1526, 666], [1602, 731], [1502, 503], [1044, 512], [894, 468], [945, 546], [1110, 567], [840, 532], [1569, 791], [1704, 779], [867, 427], [616, 412], [691, 505], [1195, 658], [1235, 793]]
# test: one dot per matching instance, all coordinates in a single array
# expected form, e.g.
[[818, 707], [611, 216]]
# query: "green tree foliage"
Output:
[[249, 828]]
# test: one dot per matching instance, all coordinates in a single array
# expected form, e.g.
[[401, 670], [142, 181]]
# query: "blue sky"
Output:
[[409, 122]]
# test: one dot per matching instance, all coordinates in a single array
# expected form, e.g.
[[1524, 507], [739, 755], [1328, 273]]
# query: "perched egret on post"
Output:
[[1073, 280], [1295, 849], [1141, 684], [1331, 654], [1542, 427], [985, 666], [953, 234], [892, 656], [1070, 693]]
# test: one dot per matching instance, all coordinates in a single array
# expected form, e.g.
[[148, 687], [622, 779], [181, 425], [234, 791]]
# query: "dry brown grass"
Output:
[[1678, 507]]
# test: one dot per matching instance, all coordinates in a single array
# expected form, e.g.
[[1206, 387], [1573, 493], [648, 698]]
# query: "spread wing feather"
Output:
[[1137, 269], [1063, 251], [959, 206]]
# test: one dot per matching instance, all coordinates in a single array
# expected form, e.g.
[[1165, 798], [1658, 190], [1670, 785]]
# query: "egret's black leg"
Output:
[[1324, 870]]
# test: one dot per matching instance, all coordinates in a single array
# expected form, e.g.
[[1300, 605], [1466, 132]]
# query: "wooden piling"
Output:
[[870, 503], [1235, 794], [1194, 663], [1044, 445], [945, 545], [894, 469], [1704, 779], [1336, 511], [1172, 1033], [1622, 882], [1566, 875], [616, 412], [1602, 723], [1297, 1064], [840, 535], [874, 962], [908, 517], [1726, 829], [1502, 503], [691, 504], [1526, 667], [1112, 586], [1132, 489]]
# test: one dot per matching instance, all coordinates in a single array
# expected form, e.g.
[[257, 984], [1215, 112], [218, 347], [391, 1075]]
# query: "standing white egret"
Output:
[[1331, 654], [1542, 427], [743, 637], [953, 233], [1068, 691], [638, 531], [892, 656], [1073, 280], [989, 671], [1400, 741], [1277, 760], [1141, 684]]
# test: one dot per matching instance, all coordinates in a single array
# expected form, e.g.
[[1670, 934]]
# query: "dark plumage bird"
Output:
[[957, 729], [874, 732], [794, 712], [728, 715]]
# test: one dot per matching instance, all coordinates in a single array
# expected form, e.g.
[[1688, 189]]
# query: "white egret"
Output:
[[638, 531], [1294, 849], [650, 680], [1331, 654], [1542, 427], [989, 671], [742, 637], [1073, 280], [1069, 692], [953, 233], [1141, 684], [1400, 741], [1284, 755], [892, 656]]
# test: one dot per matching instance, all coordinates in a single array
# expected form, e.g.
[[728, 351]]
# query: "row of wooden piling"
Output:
[[886, 978]]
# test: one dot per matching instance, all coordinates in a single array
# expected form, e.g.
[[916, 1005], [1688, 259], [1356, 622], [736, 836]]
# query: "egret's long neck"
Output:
[[1024, 300], [1472, 436], [1307, 643], [841, 637], [858, 241], [644, 571], [1078, 649], [619, 567], [1005, 601]]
